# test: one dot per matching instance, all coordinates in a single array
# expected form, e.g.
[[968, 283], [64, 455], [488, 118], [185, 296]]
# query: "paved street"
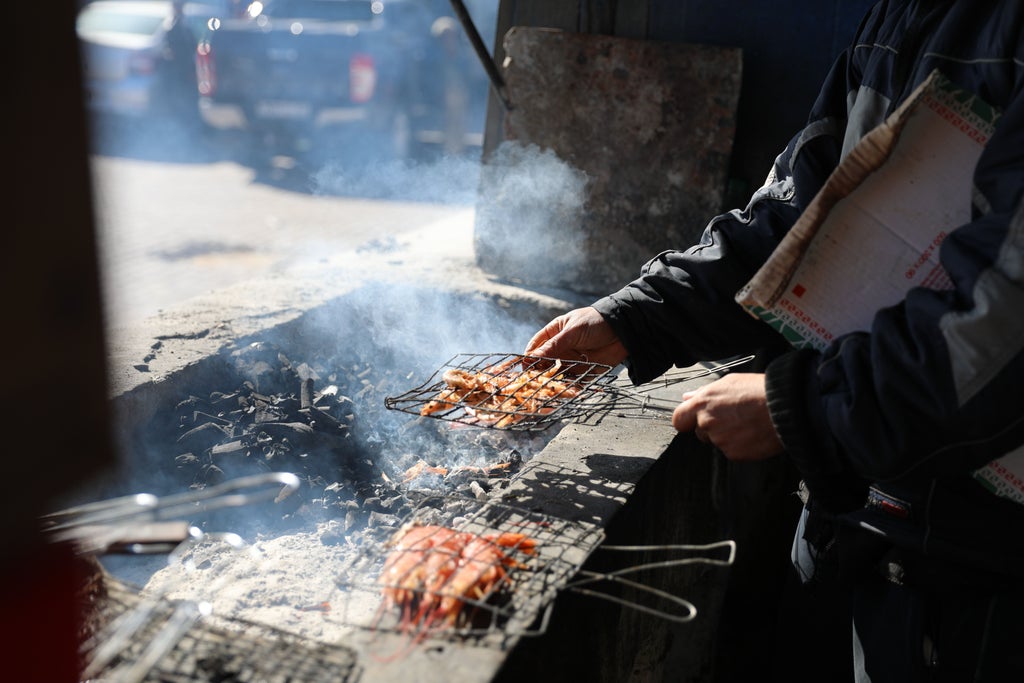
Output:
[[170, 230]]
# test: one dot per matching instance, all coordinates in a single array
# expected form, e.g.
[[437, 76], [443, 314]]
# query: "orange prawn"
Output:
[[433, 571], [501, 396]]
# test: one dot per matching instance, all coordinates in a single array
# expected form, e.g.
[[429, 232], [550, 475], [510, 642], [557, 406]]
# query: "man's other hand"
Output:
[[732, 415]]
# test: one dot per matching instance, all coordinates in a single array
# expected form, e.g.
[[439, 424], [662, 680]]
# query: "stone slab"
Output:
[[615, 149]]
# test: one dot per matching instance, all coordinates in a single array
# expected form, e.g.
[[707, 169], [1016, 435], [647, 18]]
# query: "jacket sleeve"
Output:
[[682, 309], [934, 389]]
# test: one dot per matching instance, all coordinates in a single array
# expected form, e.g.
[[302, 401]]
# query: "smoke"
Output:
[[348, 171], [531, 215], [384, 338], [420, 327], [448, 180], [379, 341]]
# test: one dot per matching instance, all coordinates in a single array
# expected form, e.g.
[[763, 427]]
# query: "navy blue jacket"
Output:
[[935, 389]]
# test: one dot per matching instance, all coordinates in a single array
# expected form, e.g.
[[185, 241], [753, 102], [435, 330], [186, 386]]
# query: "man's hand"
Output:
[[732, 415], [581, 334]]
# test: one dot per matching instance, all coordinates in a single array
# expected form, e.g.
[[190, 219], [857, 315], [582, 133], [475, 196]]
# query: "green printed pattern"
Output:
[[796, 336], [968, 105]]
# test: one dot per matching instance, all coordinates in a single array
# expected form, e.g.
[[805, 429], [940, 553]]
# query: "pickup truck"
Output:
[[329, 79]]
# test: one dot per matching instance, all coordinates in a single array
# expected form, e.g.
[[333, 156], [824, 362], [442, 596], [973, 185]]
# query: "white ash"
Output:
[[287, 582]]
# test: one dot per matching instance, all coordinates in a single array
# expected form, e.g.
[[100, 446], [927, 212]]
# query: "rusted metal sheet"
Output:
[[614, 150]]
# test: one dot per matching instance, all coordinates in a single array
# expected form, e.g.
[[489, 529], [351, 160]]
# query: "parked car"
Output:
[[329, 79], [128, 56]]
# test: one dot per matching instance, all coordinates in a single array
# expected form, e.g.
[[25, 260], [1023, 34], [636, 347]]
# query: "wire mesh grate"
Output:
[[174, 641], [460, 567], [508, 391]]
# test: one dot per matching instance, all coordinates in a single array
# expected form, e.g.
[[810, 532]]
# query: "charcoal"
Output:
[[206, 435], [477, 491], [193, 402], [306, 393], [313, 414], [287, 429], [211, 476], [380, 519], [186, 460], [391, 503], [270, 409], [353, 520], [263, 412]]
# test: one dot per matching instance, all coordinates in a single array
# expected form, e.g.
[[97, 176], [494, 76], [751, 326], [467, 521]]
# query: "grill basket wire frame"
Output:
[[517, 606], [170, 645], [527, 598], [488, 407], [600, 393], [165, 621], [638, 402], [692, 555], [587, 582], [162, 622]]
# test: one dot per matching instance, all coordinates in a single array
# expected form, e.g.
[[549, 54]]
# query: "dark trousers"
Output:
[[924, 621], [898, 619]]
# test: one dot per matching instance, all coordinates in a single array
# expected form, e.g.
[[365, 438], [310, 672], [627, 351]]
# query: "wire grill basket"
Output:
[[508, 391], [173, 641], [472, 569]]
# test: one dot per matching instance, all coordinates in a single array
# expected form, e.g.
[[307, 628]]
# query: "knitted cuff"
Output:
[[796, 412]]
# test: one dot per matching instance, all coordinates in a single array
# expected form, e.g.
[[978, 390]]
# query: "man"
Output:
[[885, 426]]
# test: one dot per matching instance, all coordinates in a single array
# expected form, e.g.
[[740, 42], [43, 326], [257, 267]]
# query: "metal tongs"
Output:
[[143, 523]]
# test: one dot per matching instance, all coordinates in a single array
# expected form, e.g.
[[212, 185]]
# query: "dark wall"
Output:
[[788, 47]]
